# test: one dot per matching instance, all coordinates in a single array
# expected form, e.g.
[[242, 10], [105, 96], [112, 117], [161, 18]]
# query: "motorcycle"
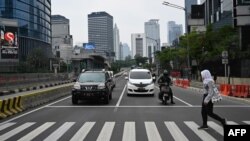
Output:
[[164, 94]]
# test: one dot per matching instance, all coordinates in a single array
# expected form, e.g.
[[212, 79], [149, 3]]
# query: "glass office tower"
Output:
[[34, 24]]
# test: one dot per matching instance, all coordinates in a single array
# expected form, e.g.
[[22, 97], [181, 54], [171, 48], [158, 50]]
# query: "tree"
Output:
[[37, 60], [139, 59]]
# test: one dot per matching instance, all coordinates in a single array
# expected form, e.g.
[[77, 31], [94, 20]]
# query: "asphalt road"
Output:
[[126, 118]]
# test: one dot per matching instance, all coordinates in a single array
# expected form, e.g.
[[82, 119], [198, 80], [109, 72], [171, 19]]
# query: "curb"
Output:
[[14, 105], [24, 89]]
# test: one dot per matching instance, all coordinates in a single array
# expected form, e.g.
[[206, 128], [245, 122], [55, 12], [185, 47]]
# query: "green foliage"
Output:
[[139, 59]]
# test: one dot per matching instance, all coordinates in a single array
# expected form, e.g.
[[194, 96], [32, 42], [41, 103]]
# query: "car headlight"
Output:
[[77, 86], [101, 86]]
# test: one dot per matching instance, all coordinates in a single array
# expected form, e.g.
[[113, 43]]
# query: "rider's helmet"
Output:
[[165, 72]]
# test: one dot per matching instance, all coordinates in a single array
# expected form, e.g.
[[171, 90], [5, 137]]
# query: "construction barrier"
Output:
[[235, 90], [182, 83]]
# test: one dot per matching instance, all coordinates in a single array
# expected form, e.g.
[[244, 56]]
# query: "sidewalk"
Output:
[[198, 86]]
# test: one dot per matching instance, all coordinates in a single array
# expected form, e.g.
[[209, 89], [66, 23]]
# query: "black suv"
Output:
[[92, 85]]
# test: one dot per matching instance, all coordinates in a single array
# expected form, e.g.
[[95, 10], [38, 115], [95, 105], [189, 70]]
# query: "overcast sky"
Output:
[[129, 15]]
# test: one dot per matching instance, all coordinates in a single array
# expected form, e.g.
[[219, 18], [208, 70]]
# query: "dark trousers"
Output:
[[170, 94], [207, 110]]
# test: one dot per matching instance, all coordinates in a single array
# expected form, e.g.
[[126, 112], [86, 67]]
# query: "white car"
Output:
[[140, 81]]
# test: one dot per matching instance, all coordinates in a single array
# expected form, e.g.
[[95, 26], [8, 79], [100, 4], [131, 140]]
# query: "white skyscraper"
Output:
[[138, 43], [152, 31], [117, 48]]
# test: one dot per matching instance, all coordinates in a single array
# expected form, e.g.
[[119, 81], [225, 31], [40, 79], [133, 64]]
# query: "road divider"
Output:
[[14, 105]]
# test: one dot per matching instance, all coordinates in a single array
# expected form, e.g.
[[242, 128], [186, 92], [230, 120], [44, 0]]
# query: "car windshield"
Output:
[[92, 77], [140, 75]]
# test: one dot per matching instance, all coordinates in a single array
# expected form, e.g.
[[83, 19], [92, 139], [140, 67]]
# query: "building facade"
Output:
[[152, 31], [125, 51], [188, 5], [138, 44], [174, 32], [34, 24], [100, 32], [62, 42], [117, 48]]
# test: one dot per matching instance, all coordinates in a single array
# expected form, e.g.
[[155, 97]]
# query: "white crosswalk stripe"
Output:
[[4, 126], [59, 132], [175, 131], [15, 131], [37, 131], [216, 127], [129, 132], [152, 132], [83, 131], [201, 133], [247, 122], [106, 132]]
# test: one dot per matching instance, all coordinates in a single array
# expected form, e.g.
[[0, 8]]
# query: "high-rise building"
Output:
[[152, 31], [34, 24], [188, 4], [138, 44], [125, 51], [100, 32], [62, 42], [117, 48], [174, 32]]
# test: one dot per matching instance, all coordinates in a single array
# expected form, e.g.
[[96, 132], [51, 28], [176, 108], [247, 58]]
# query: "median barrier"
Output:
[[18, 104]]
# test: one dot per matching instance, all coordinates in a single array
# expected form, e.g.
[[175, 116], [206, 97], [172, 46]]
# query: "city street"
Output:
[[126, 118]]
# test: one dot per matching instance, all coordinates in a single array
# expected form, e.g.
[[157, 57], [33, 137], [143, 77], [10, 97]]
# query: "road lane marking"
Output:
[[144, 106], [175, 131], [190, 105], [36, 132], [106, 132], [16, 131], [152, 132], [4, 126], [120, 98], [59, 132], [201, 133], [247, 122], [34, 110], [83, 131], [216, 127], [129, 132]]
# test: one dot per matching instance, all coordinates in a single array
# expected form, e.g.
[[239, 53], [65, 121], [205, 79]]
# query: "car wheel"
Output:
[[74, 100], [106, 99]]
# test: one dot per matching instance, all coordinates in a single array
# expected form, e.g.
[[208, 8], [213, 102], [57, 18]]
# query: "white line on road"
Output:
[[106, 132], [129, 132], [83, 132], [4, 126], [59, 132], [179, 99], [120, 99], [175, 131], [152, 132]]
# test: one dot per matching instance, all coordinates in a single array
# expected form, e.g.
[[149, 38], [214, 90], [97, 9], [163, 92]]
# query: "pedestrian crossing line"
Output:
[[129, 132], [216, 127], [201, 133], [59, 132], [247, 122], [175, 131], [106, 131], [37, 131], [15, 131], [152, 132], [4, 126], [83, 131], [231, 123]]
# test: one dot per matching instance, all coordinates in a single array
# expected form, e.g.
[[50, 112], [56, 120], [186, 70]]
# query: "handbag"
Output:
[[216, 97]]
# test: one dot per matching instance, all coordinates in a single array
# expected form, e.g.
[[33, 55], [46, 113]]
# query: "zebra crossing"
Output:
[[12, 129]]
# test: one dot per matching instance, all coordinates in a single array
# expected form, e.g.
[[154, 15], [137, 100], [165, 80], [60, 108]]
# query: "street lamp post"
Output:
[[186, 20]]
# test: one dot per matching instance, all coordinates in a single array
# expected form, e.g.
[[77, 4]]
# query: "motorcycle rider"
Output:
[[165, 79]]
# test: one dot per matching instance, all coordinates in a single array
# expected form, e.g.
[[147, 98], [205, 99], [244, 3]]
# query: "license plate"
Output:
[[141, 88], [165, 94]]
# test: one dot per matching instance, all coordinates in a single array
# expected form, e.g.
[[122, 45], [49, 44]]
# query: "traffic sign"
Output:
[[224, 54], [224, 61]]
